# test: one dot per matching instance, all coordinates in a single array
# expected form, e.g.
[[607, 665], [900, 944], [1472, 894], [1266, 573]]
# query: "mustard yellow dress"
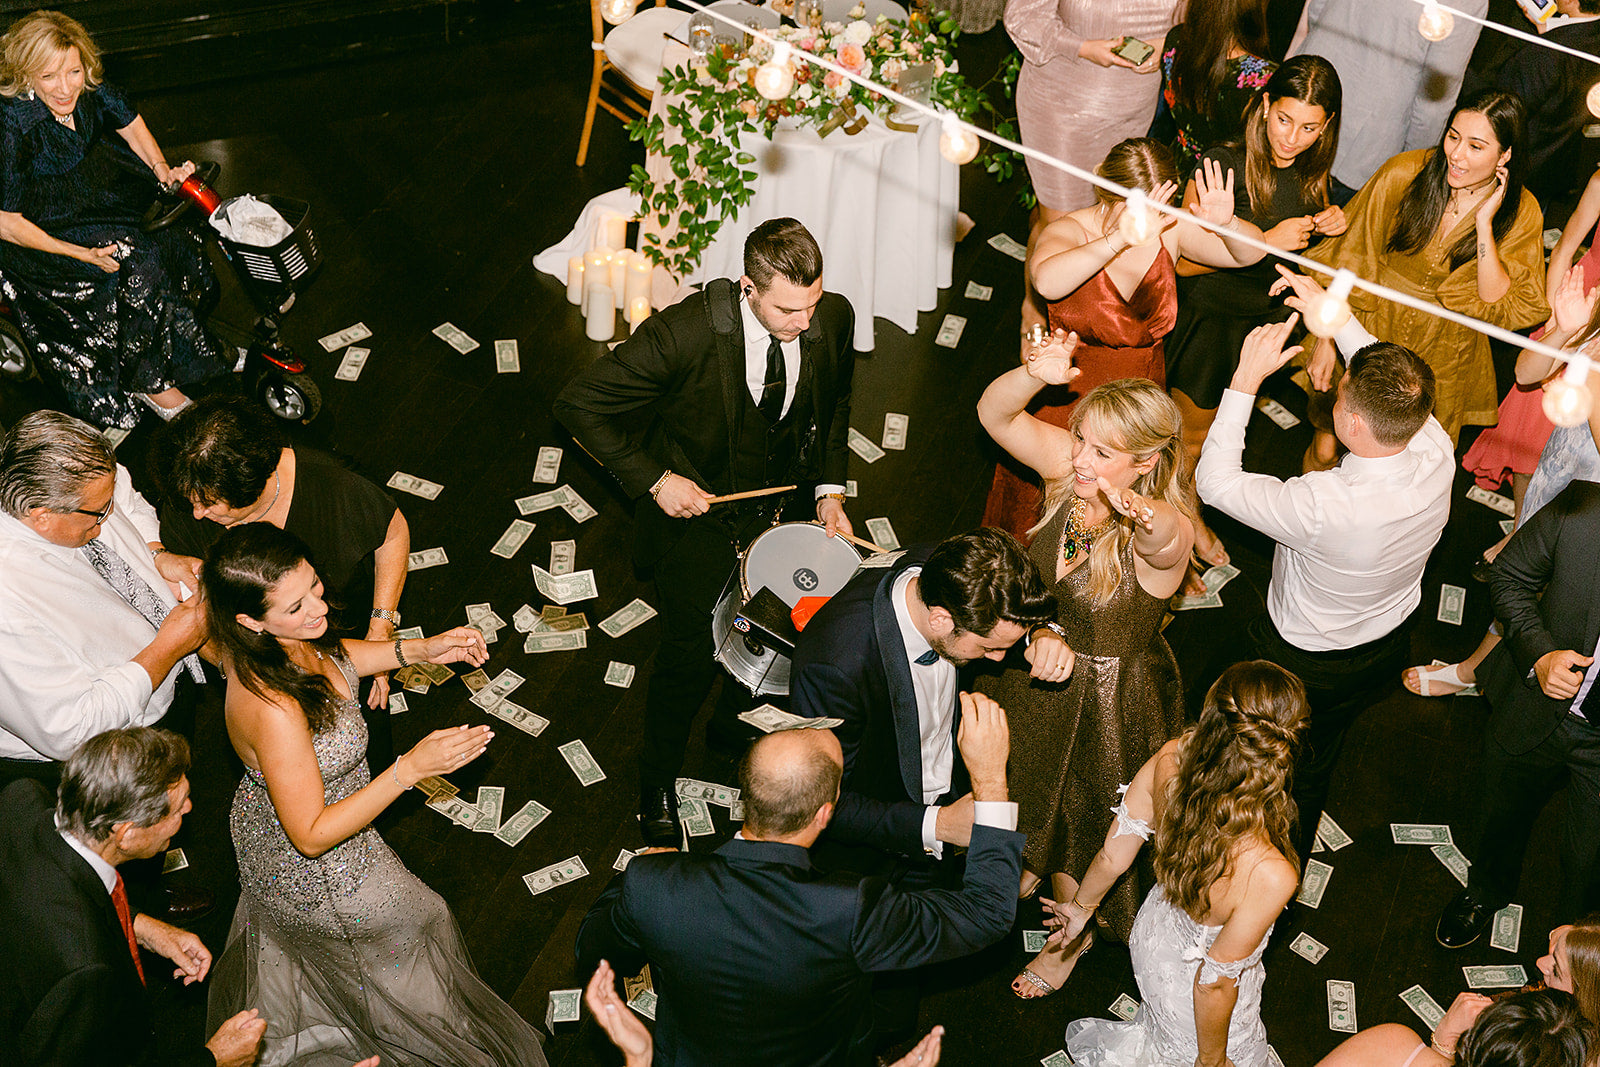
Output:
[[1459, 356]]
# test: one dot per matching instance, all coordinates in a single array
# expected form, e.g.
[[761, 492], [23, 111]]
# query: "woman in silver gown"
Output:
[[344, 951]]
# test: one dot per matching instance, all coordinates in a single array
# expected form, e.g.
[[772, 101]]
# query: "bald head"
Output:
[[786, 778]]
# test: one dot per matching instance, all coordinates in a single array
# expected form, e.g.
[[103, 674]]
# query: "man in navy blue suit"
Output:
[[759, 958]]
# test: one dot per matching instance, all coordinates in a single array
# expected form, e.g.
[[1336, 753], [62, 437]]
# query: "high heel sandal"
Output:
[[1045, 989]]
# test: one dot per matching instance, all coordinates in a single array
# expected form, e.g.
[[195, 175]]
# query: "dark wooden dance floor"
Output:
[[435, 175]]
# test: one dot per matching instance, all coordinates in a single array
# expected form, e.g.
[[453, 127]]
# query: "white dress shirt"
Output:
[[103, 870], [756, 340], [1352, 541], [67, 640]]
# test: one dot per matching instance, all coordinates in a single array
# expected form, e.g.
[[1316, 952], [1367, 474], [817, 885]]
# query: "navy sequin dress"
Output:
[[102, 336]]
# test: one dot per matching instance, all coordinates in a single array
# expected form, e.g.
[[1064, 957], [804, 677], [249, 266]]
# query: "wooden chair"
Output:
[[627, 62]]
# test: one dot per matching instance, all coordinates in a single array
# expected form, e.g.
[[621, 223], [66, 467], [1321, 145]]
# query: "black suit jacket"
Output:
[[1546, 594], [69, 993], [758, 958], [688, 362], [850, 664]]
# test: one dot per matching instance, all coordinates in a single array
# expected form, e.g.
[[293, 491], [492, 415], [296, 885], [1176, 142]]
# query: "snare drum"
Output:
[[794, 560]]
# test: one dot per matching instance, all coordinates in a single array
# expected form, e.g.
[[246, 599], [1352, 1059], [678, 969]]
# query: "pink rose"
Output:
[[832, 79], [749, 108], [852, 57]]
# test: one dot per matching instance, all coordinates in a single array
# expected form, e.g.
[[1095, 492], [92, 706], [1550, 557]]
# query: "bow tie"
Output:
[[927, 659]]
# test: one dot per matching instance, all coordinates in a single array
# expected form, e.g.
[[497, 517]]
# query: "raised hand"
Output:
[[1161, 194], [1491, 203], [1301, 289], [621, 1025], [1127, 502], [1573, 307], [1263, 353], [1216, 193], [1051, 362]]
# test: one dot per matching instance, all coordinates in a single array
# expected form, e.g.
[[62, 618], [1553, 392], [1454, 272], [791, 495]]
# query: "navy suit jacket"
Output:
[[69, 993], [851, 664], [758, 958]]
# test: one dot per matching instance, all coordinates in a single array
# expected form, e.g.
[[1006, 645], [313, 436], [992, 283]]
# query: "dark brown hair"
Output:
[[1201, 64], [1311, 80], [985, 577], [785, 248], [1392, 389]]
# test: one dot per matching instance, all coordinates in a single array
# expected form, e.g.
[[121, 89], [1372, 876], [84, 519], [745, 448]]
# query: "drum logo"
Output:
[[806, 578], [741, 624]]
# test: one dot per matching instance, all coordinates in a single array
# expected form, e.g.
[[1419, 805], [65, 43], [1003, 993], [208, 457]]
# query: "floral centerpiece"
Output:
[[707, 178]]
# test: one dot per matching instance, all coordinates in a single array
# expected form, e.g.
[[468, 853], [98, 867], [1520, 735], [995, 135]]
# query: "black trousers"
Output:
[[1340, 684], [1515, 787]]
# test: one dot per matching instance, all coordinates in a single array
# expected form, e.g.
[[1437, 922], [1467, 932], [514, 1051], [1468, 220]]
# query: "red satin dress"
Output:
[[1120, 339]]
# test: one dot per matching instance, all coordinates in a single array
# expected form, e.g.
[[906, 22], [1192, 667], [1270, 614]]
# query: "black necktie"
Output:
[[928, 658], [772, 385]]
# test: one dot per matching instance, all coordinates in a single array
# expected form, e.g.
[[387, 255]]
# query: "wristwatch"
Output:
[[831, 496], [1053, 627], [386, 613]]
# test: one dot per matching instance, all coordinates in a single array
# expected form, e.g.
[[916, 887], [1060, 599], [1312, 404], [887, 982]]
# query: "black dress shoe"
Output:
[[658, 819], [1465, 919], [188, 904]]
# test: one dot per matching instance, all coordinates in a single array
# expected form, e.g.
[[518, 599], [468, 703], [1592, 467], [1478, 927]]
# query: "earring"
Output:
[[29, 94]]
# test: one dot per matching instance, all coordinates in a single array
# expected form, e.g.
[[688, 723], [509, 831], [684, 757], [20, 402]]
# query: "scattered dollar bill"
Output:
[[410, 483], [457, 810], [1342, 1006], [623, 858], [723, 796], [578, 507], [513, 539], [563, 557], [1452, 602], [979, 292], [548, 467], [645, 1004], [1412, 833], [563, 624], [1273, 1059], [433, 785], [554, 498], [619, 674], [483, 616], [1214, 578], [563, 1006], [1056, 1058], [454, 337], [895, 426], [1416, 998], [1505, 929], [428, 557], [1317, 844], [1033, 940], [175, 860], [1314, 883], [350, 366], [435, 672], [491, 801], [547, 878], [1124, 1007], [1004, 242], [626, 618], [1332, 834], [1507, 525], [862, 446], [514, 829], [506, 359], [736, 812], [1453, 861], [851, 490], [115, 435], [347, 336], [475, 680], [1498, 976], [1503, 504], [769, 719], [413, 682], [501, 686], [1196, 601], [397, 703], [950, 330], [1279, 414], [410, 633], [537, 643], [882, 533], [576, 753], [696, 817], [551, 611], [525, 619], [516, 715], [1308, 947], [632, 987], [566, 589]]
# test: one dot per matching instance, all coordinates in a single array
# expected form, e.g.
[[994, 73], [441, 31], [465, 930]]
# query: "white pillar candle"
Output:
[[599, 313], [639, 272], [575, 280], [619, 274], [638, 311], [616, 232]]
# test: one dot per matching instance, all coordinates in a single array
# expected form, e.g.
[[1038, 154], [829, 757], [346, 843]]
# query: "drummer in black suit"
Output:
[[750, 383]]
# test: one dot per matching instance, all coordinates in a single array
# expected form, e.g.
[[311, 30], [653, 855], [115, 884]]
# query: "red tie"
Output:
[[119, 897]]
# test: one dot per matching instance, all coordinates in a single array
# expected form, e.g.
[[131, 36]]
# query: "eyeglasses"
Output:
[[98, 516]]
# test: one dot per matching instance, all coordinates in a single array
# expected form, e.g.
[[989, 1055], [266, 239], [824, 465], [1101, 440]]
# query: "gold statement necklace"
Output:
[[1077, 536]]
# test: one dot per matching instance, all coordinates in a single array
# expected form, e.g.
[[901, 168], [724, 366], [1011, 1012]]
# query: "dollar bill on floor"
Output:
[[1033, 940], [483, 616], [1454, 861], [347, 336], [1506, 928], [174, 860], [551, 611], [547, 878], [578, 507], [1308, 948], [619, 674], [491, 801], [513, 539], [1452, 603], [1317, 844], [514, 829], [475, 680], [1507, 526], [1497, 976], [895, 426], [350, 366], [1342, 1006], [525, 619], [415, 683], [566, 589], [455, 809], [565, 624], [623, 859], [455, 337], [1279, 414], [863, 446], [626, 618], [632, 987], [1273, 1059], [397, 703], [722, 796], [546, 501], [433, 785], [547, 468], [513, 714], [979, 292], [1124, 1007], [950, 330], [500, 686], [1417, 999], [696, 817], [1004, 242], [1332, 834], [506, 358], [571, 641], [882, 533], [564, 1007], [1415, 833], [1503, 504], [428, 557], [1057, 1058], [1315, 883], [851, 490], [576, 753], [410, 483], [563, 557], [116, 435]]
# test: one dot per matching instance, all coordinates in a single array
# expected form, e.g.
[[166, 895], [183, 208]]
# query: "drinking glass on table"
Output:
[[700, 30], [808, 13]]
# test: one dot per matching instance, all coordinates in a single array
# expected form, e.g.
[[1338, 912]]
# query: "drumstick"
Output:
[[868, 545], [750, 493]]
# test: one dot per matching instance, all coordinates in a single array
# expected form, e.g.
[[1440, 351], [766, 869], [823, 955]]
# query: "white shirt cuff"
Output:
[[1000, 814], [1234, 405], [930, 841], [1352, 338], [828, 487]]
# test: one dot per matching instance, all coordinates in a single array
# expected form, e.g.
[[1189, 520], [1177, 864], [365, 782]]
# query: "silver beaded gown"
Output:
[[349, 954]]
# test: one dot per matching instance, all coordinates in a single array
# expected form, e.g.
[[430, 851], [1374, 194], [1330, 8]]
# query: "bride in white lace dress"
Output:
[[1216, 801]]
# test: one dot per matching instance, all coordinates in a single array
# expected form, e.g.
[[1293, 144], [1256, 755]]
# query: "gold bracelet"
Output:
[[1433, 1043], [1080, 904], [661, 481]]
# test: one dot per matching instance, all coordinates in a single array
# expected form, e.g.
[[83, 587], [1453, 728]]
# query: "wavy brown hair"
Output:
[[1583, 965], [1313, 81], [1232, 783]]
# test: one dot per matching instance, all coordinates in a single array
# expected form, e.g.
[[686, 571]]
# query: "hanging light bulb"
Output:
[[957, 143], [1435, 23], [1138, 223], [1331, 310], [1567, 400], [1594, 99], [775, 78], [617, 12]]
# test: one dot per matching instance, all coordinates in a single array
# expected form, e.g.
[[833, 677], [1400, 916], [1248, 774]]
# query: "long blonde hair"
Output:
[[35, 40], [1134, 416]]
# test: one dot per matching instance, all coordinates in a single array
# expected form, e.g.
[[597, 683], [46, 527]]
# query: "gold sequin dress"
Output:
[[349, 954], [1073, 744]]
